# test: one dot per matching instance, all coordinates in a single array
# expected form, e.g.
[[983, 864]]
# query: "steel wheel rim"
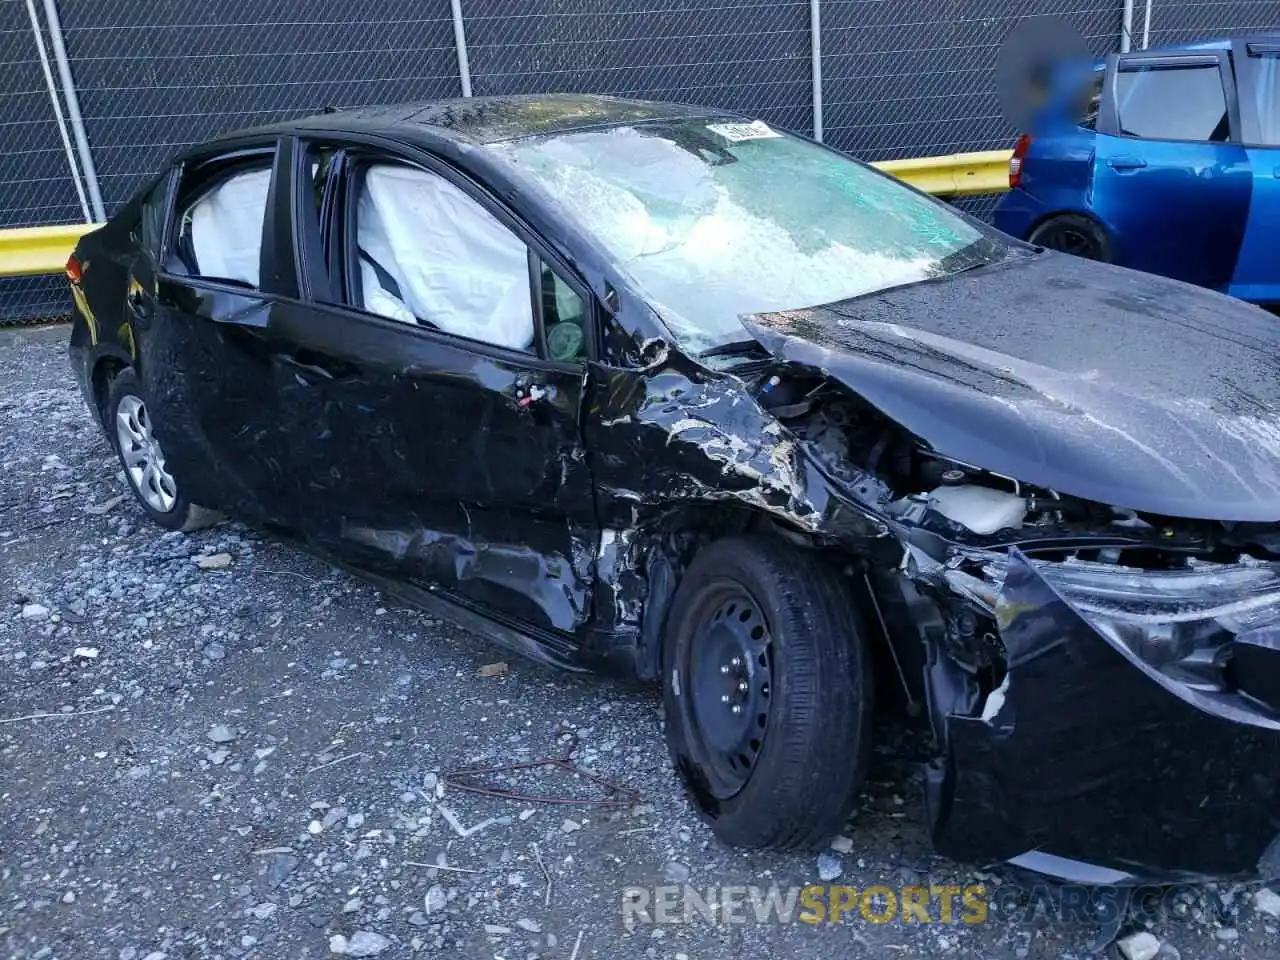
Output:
[[142, 456], [728, 674]]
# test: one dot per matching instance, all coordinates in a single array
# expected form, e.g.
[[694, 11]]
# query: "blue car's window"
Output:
[[1267, 92], [1173, 103], [714, 220]]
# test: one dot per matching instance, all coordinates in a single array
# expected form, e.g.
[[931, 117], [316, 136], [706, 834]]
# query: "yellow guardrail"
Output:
[[959, 175], [32, 251]]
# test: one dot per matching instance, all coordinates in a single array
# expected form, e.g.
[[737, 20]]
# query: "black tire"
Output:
[[125, 389], [795, 785], [1074, 234]]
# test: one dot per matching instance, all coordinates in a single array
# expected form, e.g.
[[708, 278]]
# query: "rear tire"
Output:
[[770, 629], [1074, 234], [128, 423]]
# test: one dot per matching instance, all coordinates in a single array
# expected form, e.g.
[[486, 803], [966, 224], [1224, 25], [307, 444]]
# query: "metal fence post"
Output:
[[815, 29], [57, 110], [460, 41], [73, 108], [1146, 27]]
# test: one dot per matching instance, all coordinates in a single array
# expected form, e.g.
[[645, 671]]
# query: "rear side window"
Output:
[[1172, 103], [1266, 94], [219, 225]]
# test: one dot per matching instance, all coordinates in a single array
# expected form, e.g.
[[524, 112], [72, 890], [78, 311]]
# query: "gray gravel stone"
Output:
[[1266, 900], [829, 867], [278, 869], [675, 872], [435, 900], [221, 733], [1139, 946], [365, 943]]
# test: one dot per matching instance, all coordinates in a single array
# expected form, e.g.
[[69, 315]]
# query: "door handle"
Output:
[[1126, 163]]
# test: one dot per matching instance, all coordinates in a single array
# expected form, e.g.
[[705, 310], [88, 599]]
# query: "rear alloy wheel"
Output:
[[767, 688], [130, 429], [1073, 234], [142, 457]]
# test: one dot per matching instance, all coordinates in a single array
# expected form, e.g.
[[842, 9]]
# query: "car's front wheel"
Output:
[[131, 431], [767, 689]]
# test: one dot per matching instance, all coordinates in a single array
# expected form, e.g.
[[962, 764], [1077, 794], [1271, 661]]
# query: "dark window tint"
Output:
[[1266, 97], [1173, 103]]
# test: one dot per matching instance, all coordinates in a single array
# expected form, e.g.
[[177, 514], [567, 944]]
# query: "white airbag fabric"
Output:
[[457, 267], [226, 227], [380, 301]]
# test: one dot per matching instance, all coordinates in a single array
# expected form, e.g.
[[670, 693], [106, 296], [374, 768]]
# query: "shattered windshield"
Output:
[[716, 219]]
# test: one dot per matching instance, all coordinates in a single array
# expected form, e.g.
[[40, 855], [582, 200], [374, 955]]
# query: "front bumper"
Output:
[[1095, 759]]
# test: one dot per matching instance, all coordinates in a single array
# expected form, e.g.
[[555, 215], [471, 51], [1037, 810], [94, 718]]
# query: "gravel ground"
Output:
[[248, 761]]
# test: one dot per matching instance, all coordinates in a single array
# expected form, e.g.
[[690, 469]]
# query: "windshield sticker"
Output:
[[738, 132]]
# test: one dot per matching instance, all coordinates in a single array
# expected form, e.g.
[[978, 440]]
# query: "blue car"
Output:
[[1165, 160]]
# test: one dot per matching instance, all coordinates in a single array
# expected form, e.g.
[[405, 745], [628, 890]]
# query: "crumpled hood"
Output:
[[1098, 382]]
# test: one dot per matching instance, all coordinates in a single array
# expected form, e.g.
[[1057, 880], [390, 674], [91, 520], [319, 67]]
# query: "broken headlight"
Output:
[[1179, 621]]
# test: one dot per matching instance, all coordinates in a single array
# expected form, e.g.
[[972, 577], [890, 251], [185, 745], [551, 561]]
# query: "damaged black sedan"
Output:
[[670, 394]]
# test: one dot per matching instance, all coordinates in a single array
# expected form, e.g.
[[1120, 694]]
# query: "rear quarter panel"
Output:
[[1057, 177], [99, 326]]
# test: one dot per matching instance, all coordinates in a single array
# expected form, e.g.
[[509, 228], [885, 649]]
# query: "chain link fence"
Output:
[[1182, 21], [900, 77]]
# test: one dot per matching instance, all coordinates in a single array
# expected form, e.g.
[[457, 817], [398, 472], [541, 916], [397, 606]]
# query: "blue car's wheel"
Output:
[[1073, 234]]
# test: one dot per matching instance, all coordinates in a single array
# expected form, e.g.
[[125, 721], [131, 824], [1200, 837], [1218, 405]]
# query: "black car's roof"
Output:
[[490, 119]]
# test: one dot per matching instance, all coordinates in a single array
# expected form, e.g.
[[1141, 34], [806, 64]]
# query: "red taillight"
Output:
[[73, 269], [1015, 162]]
